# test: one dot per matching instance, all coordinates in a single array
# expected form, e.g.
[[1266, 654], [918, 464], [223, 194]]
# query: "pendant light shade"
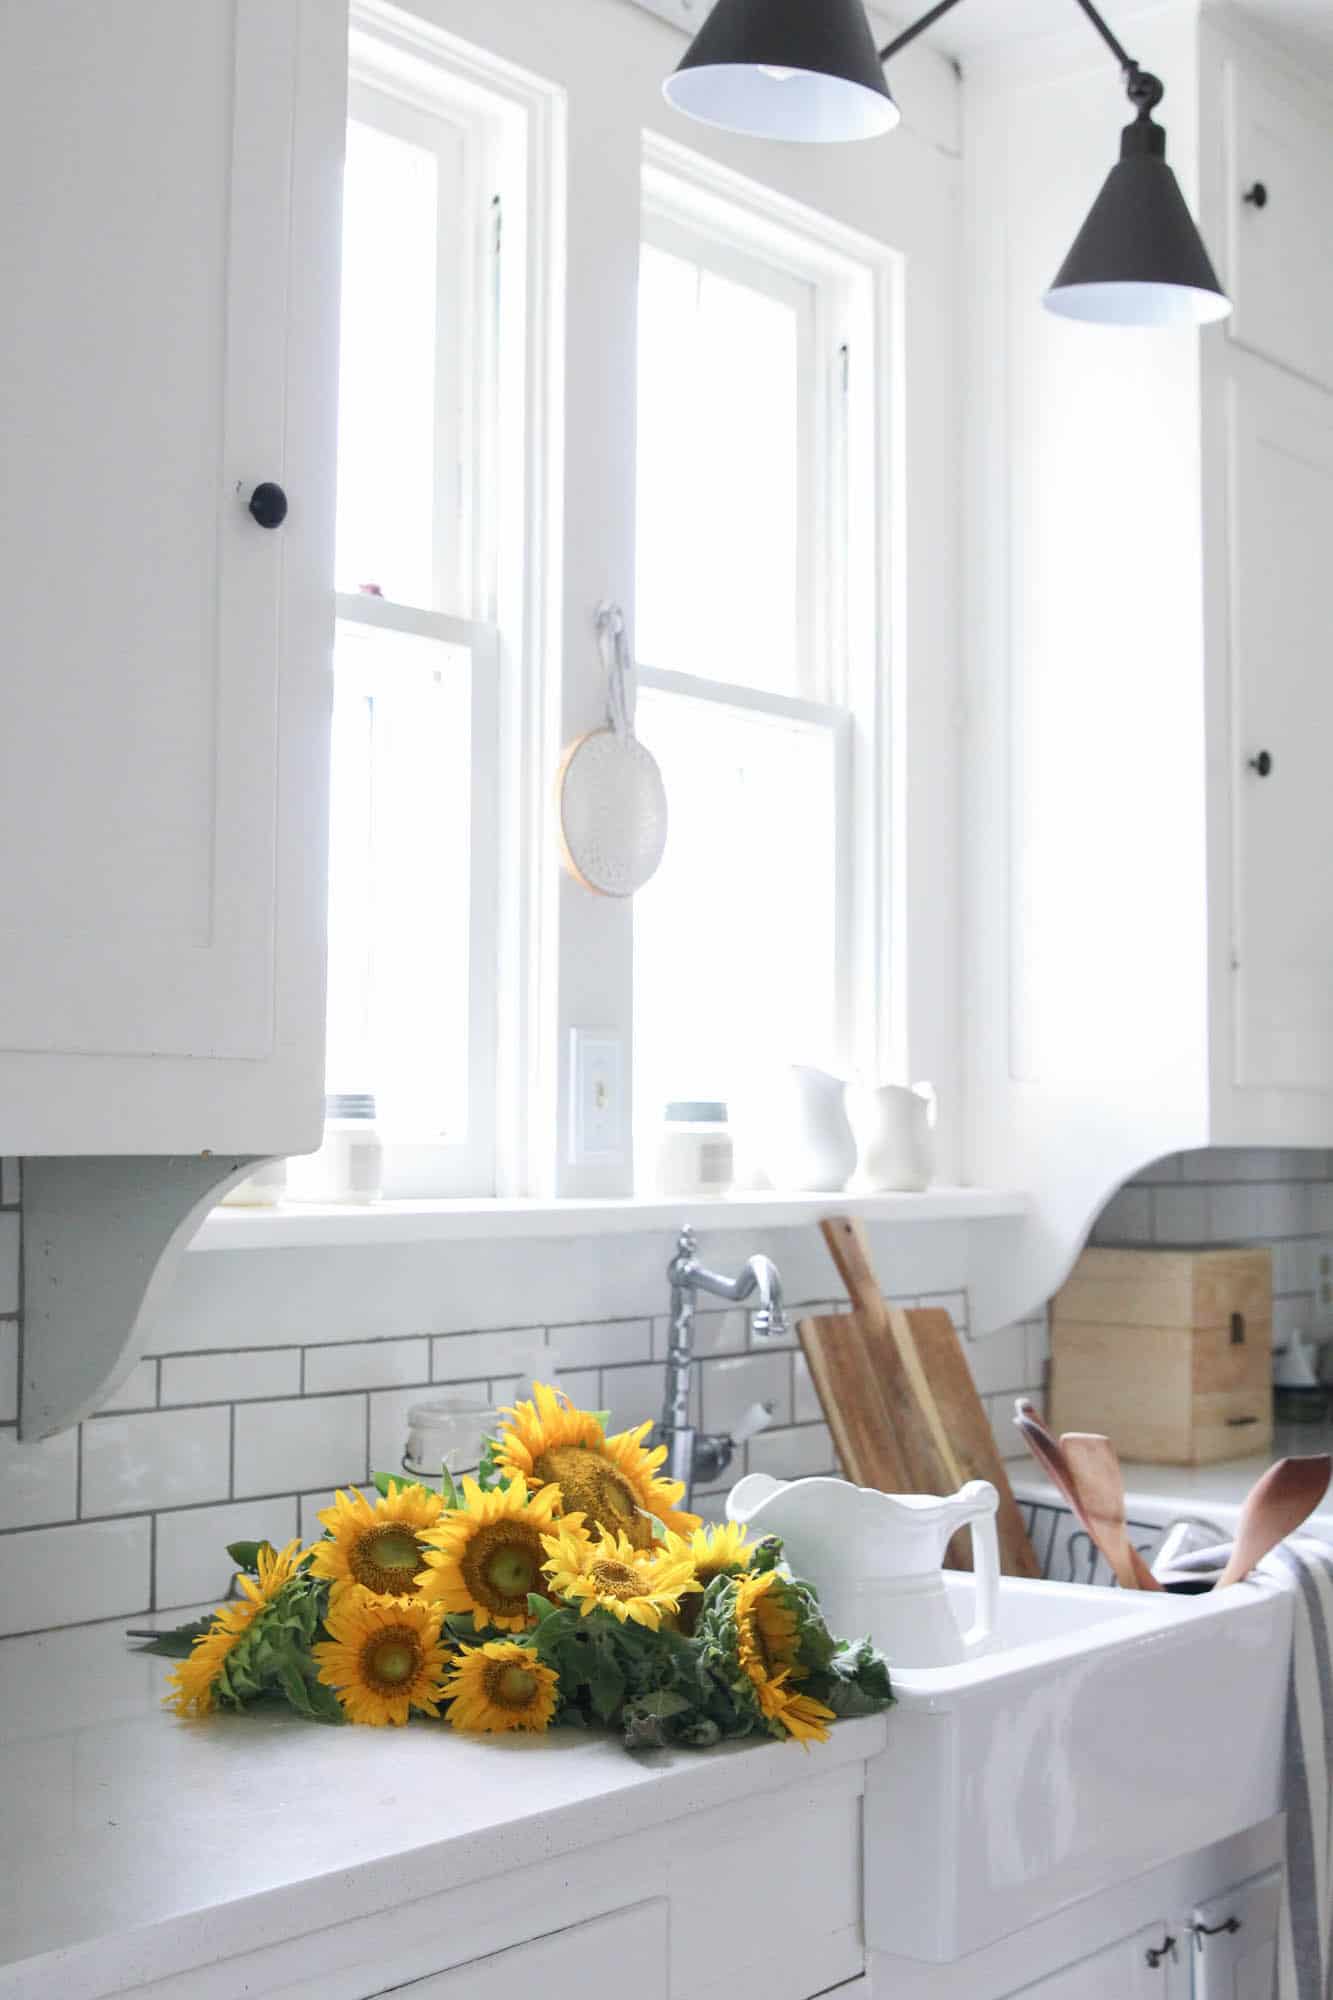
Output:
[[786, 69], [1138, 259]]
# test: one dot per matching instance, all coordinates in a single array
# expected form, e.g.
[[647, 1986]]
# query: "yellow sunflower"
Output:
[[766, 1648], [723, 1550], [500, 1686], [609, 1480], [190, 1686], [485, 1556], [383, 1656], [610, 1574], [381, 1548]]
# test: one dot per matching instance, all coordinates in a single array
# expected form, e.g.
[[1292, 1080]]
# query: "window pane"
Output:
[[399, 878], [736, 935], [387, 403], [719, 464]]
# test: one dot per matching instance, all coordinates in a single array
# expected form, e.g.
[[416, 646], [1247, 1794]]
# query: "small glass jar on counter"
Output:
[[349, 1166], [695, 1152]]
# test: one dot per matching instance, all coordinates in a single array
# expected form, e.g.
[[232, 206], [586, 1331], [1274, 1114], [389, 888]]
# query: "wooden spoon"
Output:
[[1096, 1469], [1278, 1502], [1051, 1457]]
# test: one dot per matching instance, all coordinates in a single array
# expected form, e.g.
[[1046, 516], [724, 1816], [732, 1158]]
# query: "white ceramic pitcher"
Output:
[[876, 1559], [895, 1131]]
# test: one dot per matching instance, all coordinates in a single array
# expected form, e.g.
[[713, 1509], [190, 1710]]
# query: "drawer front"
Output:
[[1280, 275], [598, 1960]]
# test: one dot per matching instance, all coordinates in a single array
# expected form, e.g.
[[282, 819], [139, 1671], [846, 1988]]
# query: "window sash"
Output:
[[429, 1165], [841, 729]]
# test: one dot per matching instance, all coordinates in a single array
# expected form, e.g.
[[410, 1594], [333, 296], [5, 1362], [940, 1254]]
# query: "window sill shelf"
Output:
[[308, 1226]]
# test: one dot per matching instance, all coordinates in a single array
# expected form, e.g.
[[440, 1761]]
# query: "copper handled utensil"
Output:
[[1131, 1574], [1278, 1502], [1095, 1466]]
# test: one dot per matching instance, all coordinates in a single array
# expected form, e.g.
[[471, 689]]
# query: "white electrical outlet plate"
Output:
[[596, 1073]]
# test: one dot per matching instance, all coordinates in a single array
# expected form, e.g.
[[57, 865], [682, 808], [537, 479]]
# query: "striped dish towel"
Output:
[[1304, 1567]]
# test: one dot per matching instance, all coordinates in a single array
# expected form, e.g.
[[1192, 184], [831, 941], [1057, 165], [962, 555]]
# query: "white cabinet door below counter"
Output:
[[597, 1960], [1135, 1968]]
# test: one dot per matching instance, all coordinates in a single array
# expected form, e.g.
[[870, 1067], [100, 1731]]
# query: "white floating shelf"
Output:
[[302, 1226]]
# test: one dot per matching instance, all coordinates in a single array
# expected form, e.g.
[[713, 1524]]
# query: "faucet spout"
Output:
[[691, 1456]]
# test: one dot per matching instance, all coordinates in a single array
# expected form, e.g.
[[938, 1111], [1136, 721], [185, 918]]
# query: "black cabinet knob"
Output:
[[1256, 195], [268, 504], [1263, 763]]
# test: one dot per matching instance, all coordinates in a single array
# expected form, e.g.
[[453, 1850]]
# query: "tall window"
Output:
[[747, 620], [414, 830]]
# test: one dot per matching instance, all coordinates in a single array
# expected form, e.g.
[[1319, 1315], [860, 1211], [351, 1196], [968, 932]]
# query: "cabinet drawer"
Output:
[[1280, 274], [598, 1960]]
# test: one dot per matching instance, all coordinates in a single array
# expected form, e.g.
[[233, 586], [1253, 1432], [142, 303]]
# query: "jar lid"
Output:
[[349, 1104], [696, 1114]]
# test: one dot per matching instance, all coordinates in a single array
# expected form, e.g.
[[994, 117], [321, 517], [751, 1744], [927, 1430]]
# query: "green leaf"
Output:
[[245, 1555], [452, 1499], [540, 1607], [176, 1644], [385, 1482]]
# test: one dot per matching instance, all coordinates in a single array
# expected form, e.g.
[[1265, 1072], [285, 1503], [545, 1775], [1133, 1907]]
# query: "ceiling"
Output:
[[982, 24]]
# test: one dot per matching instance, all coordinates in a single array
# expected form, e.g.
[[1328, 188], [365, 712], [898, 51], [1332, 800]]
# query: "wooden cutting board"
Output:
[[900, 1401]]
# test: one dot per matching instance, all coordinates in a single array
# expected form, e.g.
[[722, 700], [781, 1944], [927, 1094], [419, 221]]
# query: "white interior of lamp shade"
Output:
[[797, 104], [1121, 303]]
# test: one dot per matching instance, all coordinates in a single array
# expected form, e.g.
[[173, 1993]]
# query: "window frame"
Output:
[[744, 230], [584, 84]]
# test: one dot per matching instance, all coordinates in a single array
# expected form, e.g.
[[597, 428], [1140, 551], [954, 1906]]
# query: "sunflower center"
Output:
[[510, 1686], [390, 1657], [386, 1561], [502, 1563], [589, 1486], [617, 1579]]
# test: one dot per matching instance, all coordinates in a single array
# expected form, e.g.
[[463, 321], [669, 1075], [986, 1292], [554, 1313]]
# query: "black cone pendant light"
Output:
[[786, 69], [809, 70], [1138, 259]]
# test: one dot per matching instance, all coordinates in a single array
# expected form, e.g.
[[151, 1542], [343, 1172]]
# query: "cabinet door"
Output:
[[1280, 274], [168, 247], [598, 1960], [1129, 1970], [1235, 1942], [1282, 691]]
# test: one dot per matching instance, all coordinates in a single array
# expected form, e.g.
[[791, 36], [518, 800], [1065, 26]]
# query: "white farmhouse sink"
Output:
[[1109, 1732]]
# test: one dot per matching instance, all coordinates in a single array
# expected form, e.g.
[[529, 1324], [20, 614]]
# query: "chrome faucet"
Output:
[[697, 1455]]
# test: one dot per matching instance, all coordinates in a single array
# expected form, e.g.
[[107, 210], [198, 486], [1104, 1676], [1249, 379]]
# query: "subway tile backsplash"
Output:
[[261, 1399]]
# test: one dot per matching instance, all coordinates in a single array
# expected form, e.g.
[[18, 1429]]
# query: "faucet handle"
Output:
[[757, 1418]]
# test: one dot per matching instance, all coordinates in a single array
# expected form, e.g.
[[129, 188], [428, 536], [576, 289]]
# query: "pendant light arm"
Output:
[[928, 20]]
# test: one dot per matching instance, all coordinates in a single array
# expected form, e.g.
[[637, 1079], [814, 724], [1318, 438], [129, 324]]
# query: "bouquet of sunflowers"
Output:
[[564, 1585]]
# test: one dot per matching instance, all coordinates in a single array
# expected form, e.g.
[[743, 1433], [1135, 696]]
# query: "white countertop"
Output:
[[136, 1846], [1167, 1493]]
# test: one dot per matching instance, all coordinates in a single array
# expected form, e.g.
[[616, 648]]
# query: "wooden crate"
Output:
[[1168, 1352]]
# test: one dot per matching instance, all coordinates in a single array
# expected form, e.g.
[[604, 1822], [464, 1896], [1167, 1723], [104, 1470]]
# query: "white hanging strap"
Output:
[[614, 646]]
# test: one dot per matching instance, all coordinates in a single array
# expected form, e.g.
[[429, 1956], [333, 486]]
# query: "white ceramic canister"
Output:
[[695, 1155]]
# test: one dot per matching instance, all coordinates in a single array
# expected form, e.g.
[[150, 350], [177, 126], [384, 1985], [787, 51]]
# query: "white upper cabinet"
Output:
[[168, 255], [1282, 657], [1280, 168]]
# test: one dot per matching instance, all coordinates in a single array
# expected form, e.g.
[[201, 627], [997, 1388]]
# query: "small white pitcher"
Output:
[[895, 1128], [876, 1559]]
